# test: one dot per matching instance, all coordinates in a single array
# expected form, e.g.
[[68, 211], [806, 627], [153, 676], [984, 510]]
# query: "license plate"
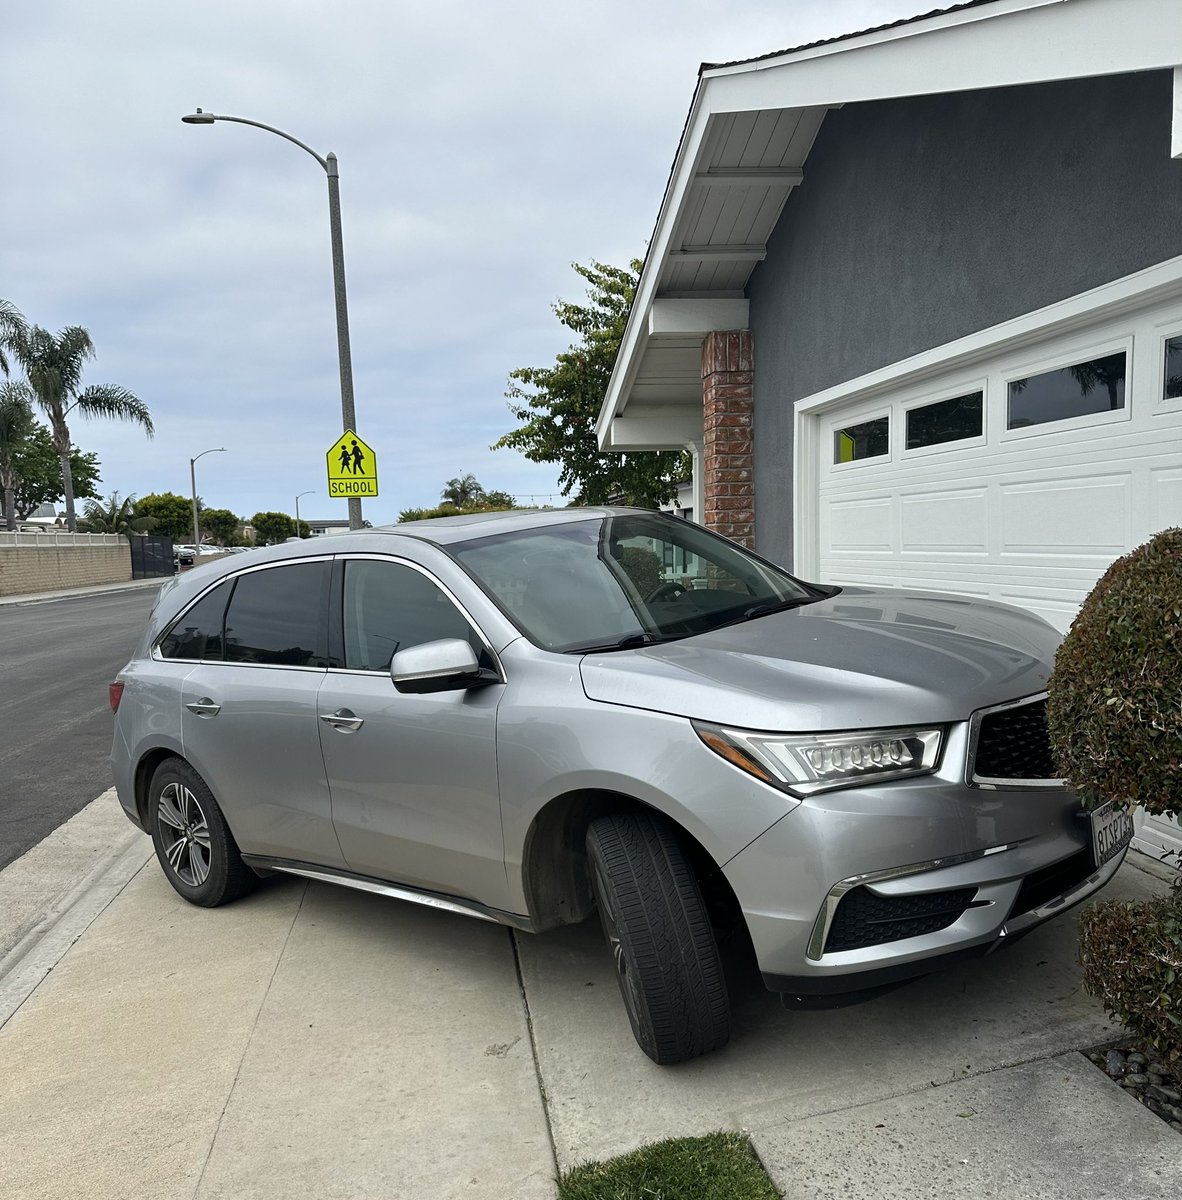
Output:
[[1112, 830]]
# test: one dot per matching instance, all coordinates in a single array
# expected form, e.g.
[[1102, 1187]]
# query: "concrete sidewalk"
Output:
[[94, 589], [315, 1041]]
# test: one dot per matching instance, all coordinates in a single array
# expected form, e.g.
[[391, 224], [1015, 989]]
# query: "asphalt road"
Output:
[[56, 659]]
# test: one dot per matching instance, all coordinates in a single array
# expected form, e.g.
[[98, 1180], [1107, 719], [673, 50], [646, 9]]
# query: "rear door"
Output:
[[413, 778], [248, 712]]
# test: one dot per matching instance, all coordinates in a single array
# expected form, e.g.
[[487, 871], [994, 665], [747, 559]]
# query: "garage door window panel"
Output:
[[956, 419], [866, 439], [1172, 368], [1089, 387]]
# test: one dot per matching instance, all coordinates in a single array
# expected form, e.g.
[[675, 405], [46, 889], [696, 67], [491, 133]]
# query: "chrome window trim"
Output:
[[824, 919], [220, 662], [427, 574], [990, 783]]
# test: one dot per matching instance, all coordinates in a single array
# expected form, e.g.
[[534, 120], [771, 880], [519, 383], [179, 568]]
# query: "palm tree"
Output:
[[116, 516], [463, 492], [16, 423], [53, 366], [11, 323]]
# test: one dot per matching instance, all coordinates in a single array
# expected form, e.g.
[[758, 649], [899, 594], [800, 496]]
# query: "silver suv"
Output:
[[525, 717]]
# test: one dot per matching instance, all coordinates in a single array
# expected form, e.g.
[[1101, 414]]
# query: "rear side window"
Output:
[[390, 607], [197, 633], [276, 616]]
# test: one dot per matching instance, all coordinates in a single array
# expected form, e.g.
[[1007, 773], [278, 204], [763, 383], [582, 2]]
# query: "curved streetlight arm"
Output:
[[203, 118]]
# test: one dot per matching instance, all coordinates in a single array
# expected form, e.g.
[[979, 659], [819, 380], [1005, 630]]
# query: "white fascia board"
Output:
[[669, 427], [1001, 45], [636, 331], [696, 316]]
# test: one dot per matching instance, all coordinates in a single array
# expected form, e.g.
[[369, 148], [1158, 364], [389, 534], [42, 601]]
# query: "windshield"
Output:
[[621, 581]]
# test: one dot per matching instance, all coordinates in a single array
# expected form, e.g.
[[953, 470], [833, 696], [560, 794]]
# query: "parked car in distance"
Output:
[[528, 717], [183, 555]]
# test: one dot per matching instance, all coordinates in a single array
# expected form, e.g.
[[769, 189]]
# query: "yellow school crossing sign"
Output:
[[352, 467]]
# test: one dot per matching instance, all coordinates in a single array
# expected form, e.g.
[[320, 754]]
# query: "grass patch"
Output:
[[719, 1166]]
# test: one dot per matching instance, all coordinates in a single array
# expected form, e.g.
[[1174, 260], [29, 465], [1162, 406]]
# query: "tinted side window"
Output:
[[391, 607], [275, 616], [197, 633]]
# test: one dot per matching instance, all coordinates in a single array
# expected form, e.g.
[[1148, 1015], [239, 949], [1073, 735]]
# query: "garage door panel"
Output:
[[1165, 488], [863, 526], [948, 522], [1067, 517]]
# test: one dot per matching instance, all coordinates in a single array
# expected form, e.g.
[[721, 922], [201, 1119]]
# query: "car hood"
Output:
[[858, 659]]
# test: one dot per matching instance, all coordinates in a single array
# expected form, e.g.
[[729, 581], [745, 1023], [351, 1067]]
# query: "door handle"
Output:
[[344, 720], [204, 707]]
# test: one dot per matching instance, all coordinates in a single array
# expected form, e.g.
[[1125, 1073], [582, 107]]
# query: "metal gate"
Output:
[[151, 557]]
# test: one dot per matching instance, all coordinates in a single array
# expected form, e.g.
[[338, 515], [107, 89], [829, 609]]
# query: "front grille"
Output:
[[865, 919], [1013, 744], [1040, 886]]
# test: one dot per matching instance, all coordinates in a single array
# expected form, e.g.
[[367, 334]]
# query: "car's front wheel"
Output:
[[662, 943], [193, 842]]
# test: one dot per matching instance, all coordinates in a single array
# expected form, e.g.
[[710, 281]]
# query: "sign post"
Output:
[[352, 468]]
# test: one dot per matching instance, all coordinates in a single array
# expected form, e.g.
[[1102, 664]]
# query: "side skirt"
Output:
[[396, 891]]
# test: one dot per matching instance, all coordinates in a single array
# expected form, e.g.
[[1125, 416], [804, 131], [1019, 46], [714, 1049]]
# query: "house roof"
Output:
[[745, 147]]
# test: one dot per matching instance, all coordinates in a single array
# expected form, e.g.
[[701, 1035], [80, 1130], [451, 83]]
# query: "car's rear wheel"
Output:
[[658, 928], [193, 842]]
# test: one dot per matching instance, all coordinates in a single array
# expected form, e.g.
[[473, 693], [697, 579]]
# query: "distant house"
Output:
[[324, 528], [914, 300]]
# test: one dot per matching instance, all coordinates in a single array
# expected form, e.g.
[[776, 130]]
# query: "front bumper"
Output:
[[858, 890]]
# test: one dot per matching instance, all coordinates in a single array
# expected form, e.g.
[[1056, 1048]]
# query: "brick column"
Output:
[[726, 413]]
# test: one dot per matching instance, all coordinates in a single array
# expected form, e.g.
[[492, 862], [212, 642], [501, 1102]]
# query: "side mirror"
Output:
[[445, 666]]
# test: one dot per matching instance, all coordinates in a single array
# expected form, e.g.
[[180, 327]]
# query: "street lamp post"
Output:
[[298, 534], [329, 163], [193, 483]]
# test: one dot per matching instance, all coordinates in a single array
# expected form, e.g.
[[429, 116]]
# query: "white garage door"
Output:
[[1017, 475]]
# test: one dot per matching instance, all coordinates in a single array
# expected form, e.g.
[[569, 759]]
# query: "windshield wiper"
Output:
[[631, 641], [763, 610]]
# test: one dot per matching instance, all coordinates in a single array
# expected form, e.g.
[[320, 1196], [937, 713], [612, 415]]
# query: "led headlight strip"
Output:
[[807, 763]]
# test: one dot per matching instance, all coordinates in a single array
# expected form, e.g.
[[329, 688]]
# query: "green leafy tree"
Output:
[[557, 406], [272, 527], [116, 516], [16, 426], [498, 500], [53, 365], [222, 525], [173, 514], [39, 474]]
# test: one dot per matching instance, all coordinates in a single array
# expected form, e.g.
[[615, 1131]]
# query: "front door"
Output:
[[413, 778]]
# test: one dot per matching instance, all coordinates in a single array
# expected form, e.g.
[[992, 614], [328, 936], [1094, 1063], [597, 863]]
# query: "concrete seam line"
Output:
[[249, 1038], [26, 966], [533, 1049]]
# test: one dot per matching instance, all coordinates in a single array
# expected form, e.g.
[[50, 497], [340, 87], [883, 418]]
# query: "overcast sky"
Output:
[[484, 146]]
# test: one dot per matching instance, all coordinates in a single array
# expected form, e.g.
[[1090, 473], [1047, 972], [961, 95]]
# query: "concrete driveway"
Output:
[[315, 1041]]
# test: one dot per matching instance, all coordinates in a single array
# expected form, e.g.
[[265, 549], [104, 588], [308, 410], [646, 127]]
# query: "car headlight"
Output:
[[806, 763]]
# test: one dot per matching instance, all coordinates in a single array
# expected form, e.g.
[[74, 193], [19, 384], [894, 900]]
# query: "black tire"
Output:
[[193, 842], [659, 932]]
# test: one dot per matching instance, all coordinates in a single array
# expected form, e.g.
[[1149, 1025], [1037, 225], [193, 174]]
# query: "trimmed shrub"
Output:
[[1115, 698], [1132, 959], [1114, 709]]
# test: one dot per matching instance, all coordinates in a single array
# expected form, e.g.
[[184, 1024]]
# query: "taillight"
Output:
[[115, 694]]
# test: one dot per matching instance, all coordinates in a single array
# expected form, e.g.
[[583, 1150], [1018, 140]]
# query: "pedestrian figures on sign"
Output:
[[351, 460]]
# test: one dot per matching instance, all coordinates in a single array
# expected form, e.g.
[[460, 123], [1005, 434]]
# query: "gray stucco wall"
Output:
[[922, 220]]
